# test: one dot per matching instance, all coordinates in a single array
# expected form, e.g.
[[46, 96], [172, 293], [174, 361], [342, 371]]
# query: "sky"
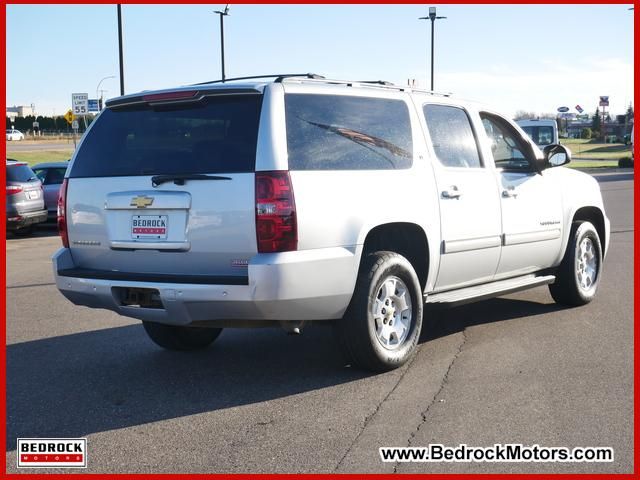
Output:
[[534, 58]]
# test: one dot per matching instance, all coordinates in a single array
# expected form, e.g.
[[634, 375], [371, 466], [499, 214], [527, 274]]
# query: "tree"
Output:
[[524, 115], [586, 133], [629, 112], [596, 122]]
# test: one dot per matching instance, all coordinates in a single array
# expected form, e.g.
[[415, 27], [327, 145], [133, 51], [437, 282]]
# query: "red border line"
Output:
[[633, 475]]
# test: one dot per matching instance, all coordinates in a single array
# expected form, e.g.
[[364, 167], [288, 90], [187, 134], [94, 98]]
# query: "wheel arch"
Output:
[[406, 238], [587, 213], [596, 217]]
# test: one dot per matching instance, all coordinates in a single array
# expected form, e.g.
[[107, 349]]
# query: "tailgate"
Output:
[[199, 219], [207, 228]]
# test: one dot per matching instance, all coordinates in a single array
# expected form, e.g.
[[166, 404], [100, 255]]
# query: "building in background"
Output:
[[21, 111], [611, 129]]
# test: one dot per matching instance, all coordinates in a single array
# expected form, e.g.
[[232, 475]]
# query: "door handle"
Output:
[[510, 192], [451, 192]]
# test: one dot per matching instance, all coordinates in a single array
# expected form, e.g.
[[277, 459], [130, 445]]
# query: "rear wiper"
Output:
[[158, 180]]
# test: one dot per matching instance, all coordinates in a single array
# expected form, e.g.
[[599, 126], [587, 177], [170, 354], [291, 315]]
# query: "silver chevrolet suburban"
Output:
[[256, 202]]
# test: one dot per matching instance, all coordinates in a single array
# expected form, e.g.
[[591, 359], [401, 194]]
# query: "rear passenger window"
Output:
[[452, 136], [337, 132]]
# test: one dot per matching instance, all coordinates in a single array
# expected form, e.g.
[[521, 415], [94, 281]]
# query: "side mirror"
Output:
[[556, 155]]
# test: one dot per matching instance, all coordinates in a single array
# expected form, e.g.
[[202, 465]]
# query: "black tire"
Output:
[[569, 289], [173, 337], [24, 232], [357, 330]]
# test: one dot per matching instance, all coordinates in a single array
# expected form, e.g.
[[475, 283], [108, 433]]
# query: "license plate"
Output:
[[149, 227], [33, 194]]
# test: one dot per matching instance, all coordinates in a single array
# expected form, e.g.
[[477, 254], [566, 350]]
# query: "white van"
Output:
[[543, 132]]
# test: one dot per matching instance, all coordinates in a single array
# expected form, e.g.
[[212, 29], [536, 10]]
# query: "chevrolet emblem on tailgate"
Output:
[[141, 201]]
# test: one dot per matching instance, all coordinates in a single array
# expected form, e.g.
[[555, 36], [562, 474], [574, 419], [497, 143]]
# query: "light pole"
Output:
[[120, 49], [98, 89], [222, 15], [432, 16]]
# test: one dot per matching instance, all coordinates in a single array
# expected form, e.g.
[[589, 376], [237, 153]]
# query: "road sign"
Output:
[[75, 125], [579, 109], [80, 103], [69, 117], [563, 109], [93, 105], [604, 101], [36, 124]]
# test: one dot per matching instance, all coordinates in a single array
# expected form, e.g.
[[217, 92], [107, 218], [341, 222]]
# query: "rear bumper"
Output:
[[290, 286], [16, 221]]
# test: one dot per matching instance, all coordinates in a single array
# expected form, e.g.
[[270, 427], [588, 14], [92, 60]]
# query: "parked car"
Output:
[[51, 175], [25, 201], [264, 203], [14, 135], [543, 132]]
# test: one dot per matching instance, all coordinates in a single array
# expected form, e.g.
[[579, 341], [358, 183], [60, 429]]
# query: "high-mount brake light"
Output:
[[276, 225], [169, 96]]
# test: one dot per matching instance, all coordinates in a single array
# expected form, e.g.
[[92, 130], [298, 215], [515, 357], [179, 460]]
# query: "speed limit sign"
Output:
[[80, 103]]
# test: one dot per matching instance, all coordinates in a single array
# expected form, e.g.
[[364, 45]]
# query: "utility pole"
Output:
[[120, 49], [432, 16], [222, 14]]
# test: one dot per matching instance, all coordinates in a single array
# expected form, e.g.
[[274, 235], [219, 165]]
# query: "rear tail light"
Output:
[[276, 226], [62, 214], [13, 189]]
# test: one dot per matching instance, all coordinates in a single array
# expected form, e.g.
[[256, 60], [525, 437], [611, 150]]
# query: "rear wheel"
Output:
[[174, 337], [579, 273], [381, 327]]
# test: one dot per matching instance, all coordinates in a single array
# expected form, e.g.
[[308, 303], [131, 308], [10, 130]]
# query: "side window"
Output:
[[506, 145], [55, 176], [452, 136], [338, 132], [41, 174]]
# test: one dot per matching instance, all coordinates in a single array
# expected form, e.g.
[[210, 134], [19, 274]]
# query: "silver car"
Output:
[[25, 202]]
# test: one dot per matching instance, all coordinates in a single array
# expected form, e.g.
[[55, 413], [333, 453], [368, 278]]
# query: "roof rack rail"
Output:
[[378, 82], [314, 78], [278, 78], [351, 83]]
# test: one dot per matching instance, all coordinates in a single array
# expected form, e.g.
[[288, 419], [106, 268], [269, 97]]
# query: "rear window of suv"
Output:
[[20, 173], [216, 135], [340, 132]]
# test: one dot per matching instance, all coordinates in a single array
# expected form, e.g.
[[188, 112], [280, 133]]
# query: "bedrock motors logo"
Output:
[[52, 453]]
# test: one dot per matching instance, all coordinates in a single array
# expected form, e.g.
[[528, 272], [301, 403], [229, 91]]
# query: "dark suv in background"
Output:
[[25, 199]]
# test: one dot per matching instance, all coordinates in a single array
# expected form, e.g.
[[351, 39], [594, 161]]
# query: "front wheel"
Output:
[[579, 273], [174, 337], [381, 327]]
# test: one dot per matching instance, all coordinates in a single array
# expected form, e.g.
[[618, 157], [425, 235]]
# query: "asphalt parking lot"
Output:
[[517, 369]]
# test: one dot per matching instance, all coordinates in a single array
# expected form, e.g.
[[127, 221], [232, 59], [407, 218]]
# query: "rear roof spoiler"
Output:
[[181, 95]]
